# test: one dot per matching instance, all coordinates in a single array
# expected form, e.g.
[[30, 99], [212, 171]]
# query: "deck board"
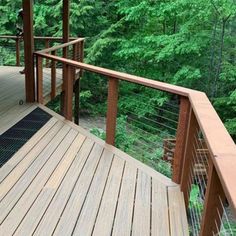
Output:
[[109, 199], [27, 148], [126, 202], [142, 205], [65, 181]]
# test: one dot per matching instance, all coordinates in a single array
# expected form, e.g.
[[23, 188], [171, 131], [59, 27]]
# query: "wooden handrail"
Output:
[[220, 144], [35, 37], [47, 50], [47, 40], [222, 149], [120, 75]]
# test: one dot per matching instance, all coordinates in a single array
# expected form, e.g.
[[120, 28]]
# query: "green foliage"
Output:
[[99, 133], [195, 203]]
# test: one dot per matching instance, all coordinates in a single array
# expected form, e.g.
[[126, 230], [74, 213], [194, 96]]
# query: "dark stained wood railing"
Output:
[[197, 115]]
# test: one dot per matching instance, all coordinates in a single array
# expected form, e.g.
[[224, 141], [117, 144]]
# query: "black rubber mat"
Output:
[[14, 138]]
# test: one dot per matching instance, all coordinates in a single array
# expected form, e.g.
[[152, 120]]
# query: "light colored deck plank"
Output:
[[87, 217], [53, 185], [160, 213], [142, 206], [151, 172], [19, 156], [36, 212], [75, 202], [18, 189], [123, 217], [178, 218], [109, 200], [13, 177], [16, 215], [53, 213]]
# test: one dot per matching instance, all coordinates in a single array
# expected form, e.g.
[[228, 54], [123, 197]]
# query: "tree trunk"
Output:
[[213, 50], [219, 67]]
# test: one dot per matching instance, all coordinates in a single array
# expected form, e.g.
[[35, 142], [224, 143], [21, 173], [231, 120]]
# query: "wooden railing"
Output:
[[18, 40], [68, 75], [197, 118]]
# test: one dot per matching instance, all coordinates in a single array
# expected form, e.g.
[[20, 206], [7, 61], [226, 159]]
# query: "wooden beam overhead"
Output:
[[65, 20], [65, 36], [28, 49]]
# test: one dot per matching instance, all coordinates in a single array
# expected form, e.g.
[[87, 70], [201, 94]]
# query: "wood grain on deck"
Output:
[[65, 181]]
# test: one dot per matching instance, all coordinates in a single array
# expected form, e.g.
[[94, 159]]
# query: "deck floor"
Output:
[[65, 181]]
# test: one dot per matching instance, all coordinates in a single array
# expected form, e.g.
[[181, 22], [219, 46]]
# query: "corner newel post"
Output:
[[39, 64], [181, 136], [112, 105], [189, 155], [68, 98], [213, 209]]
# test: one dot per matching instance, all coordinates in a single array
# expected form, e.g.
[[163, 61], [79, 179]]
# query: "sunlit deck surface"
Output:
[[65, 181]]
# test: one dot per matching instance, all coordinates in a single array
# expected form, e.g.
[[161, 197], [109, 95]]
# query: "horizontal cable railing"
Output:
[[13, 49], [191, 136]]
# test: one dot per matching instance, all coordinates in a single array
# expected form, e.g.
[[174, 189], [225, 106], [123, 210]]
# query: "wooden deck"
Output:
[[65, 181]]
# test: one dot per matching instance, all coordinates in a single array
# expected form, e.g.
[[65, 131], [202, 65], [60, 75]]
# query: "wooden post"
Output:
[[81, 56], [17, 51], [112, 110], [39, 64], [66, 33], [77, 100], [76, 50], [211, 220], [188, 156], [181, 139], [53, 77], [29, 50], [68, 99], [47, 45], [65, 21], [74, 57]]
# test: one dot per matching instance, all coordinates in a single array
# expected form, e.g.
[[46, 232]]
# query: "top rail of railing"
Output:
[[35, 37], [47, 50]]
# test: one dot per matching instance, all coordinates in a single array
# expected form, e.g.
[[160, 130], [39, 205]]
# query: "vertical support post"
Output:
[[66, 30], [211, 220], [17, 51], [39, 64], [181, 139], [65, 21], [112, 110], [47, 45], [77, 100], [81, 56], [74, 57], [188, 160], [68, 100], [75, 52], [29, 50], [53, 77]]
